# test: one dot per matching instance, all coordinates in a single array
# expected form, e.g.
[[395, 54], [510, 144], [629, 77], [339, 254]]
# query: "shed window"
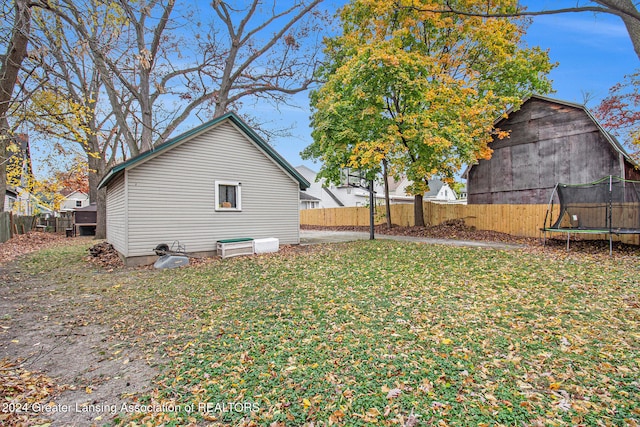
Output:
[[78, 203], [228, 196]]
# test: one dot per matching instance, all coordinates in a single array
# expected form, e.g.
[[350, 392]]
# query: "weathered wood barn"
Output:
[[217, 181], [550, 141]]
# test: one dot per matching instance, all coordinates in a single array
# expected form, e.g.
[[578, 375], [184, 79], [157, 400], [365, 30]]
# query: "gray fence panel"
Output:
[[5, 226]]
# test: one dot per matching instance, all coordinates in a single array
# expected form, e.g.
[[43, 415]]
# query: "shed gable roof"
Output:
[[167, 145]]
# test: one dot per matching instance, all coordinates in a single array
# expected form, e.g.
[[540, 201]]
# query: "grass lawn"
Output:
[[381, 333]]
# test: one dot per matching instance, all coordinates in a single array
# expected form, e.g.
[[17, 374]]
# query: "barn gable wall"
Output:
[[549, 143]]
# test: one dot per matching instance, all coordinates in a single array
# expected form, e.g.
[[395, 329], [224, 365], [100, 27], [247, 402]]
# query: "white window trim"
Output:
[[238, 186]]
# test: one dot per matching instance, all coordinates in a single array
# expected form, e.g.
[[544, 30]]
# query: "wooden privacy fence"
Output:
[[11, 225], [56, 225], [5, 226], [517, 220]]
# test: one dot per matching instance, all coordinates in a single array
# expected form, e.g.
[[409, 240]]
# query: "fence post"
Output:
[[12, 226], [5, 226]]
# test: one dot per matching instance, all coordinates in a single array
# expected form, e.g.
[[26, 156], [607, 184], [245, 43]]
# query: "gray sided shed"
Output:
[[551, 141], [169, 194]]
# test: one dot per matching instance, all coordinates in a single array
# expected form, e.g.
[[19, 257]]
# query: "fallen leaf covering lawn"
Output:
[[20, 390], [25, 243], [373, 332], [385, 333]]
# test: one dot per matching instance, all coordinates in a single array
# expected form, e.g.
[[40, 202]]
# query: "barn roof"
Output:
[[167, 145], [612, 140]]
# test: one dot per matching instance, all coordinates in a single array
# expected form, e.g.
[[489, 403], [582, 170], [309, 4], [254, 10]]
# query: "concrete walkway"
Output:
[[312, 237]]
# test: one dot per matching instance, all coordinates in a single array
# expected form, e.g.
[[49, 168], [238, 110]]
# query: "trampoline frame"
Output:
[[578, 230]]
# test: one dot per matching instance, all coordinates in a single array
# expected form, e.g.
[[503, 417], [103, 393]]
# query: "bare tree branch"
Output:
[[608, 7], [625, 9], [233, 72]]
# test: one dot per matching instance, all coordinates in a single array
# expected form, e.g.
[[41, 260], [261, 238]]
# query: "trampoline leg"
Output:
[[610, 246], [568, 236]]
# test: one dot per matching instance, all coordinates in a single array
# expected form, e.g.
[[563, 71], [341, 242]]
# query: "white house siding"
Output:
[[69, 202], [8, 203], [116, 215], [171, 196]]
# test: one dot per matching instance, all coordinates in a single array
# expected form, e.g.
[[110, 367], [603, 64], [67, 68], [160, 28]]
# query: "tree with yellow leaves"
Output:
[[419, 90]]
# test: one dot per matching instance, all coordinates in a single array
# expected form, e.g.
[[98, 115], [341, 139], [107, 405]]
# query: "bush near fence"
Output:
[[517, 220]]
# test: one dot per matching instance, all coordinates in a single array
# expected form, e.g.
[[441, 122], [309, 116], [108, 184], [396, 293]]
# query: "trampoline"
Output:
[[608, 206]]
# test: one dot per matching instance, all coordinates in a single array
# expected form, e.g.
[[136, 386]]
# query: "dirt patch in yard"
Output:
[[60, 361]]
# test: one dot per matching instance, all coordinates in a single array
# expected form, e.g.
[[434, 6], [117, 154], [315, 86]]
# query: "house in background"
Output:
[[462, 194], [307, 201], [329, 195], [10, 199], [217, 181], [323, 195], [21, 202], [550, 141], [444, 193], [74, 200], [18, 197]]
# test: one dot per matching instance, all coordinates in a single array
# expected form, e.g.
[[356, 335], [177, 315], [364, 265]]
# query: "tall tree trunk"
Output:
[[632, 23], [418, 211], [9, 67], [101, 214], [385, 175], [97, 169], [146, 135], [4, 139]]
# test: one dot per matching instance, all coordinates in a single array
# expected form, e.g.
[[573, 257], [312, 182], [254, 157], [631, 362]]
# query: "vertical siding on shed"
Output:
[[116, 215], [548, 143], [171, 196]]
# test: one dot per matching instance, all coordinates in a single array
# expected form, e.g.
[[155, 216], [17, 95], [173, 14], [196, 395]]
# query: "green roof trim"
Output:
[[119, 168]]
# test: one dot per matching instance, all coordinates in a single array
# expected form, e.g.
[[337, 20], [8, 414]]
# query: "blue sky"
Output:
[[593, 52]]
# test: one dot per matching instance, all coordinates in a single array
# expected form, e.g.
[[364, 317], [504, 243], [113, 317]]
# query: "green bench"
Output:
[[235, 247]]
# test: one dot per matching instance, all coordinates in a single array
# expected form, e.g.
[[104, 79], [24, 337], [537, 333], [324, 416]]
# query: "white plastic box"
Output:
[[262, 246]]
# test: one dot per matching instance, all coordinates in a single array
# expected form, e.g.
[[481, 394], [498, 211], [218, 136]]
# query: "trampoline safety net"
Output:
[[609, 205]]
